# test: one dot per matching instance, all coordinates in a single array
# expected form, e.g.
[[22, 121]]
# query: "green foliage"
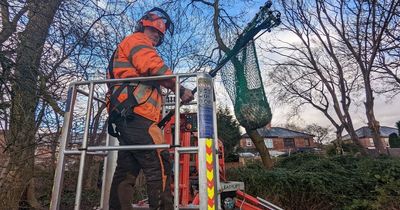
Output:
[[394, 140], [330, 150], [228, 129], [44, 182], [348, 148], [307, 181], [351, 148]]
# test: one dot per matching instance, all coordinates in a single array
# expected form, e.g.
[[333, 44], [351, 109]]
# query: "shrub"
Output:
[[348, 148], [312, 182], [44, 182], [394, 141]]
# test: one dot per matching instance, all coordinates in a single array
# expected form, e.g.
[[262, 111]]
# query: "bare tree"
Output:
[[361, 26], [24, 99], [294, 86], [40, 39], [185, 51], [388, 66], [226, 27], [314, 70], [340, 41], [318, 131]]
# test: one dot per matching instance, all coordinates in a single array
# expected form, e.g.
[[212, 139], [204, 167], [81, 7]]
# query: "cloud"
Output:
[[386, 112]]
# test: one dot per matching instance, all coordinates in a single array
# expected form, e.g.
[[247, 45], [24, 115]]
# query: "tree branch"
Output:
[[9, 27]]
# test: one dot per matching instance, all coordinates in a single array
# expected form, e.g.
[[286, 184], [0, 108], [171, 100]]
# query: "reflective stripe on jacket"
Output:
[[136, 57]]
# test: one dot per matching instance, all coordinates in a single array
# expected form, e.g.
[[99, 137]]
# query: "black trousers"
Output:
[[154, 163]]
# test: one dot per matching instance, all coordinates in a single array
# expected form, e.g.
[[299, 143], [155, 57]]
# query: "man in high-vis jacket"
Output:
[[135, 110]]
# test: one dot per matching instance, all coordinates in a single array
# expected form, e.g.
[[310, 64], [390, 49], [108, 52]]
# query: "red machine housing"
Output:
[[189, 162], [188, 174]]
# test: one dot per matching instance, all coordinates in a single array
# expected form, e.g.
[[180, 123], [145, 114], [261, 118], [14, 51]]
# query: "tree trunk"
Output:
[[373, 124], [339, 141], [92, 173], [31, 197], [19, 174], [261, 148], [4, 171], [24, 101], [92, 165], [354, 138], [54, 145]]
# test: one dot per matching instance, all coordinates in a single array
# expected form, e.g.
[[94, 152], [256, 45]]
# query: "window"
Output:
[[306, 142], [269, 143], [288, 143], [249, 143], [371, 142]]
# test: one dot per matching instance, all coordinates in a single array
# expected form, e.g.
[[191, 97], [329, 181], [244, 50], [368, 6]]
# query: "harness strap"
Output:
[[125, 108]]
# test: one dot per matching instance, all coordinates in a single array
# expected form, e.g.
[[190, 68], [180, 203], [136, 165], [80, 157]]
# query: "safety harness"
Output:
[[121, 110]]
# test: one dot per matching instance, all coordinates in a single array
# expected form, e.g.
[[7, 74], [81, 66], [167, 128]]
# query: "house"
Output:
[[280, 141], [47, 145], [365, 136]]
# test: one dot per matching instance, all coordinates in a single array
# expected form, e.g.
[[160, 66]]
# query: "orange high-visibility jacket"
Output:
[[136, 57]]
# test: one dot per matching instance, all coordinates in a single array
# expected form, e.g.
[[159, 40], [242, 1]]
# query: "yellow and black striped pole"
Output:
[[208, 190]]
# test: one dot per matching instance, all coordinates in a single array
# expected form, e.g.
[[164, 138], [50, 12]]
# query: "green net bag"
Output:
[[242, 80]]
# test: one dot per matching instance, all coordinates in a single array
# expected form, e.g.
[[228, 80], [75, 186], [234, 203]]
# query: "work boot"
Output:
[[121, 196]]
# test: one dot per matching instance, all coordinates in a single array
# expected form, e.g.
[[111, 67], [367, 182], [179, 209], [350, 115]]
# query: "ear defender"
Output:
[[160, 21]]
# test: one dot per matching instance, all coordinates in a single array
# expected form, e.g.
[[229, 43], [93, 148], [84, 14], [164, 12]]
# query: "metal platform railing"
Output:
[[206, 149]]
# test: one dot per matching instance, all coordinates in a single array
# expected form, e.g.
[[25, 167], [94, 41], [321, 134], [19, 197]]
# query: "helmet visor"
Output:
[[160, 20]]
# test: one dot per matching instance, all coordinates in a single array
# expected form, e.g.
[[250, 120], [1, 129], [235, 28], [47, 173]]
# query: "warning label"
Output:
[[205, 101]]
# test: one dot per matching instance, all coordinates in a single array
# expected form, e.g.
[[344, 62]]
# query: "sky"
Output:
[[387, 112]]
